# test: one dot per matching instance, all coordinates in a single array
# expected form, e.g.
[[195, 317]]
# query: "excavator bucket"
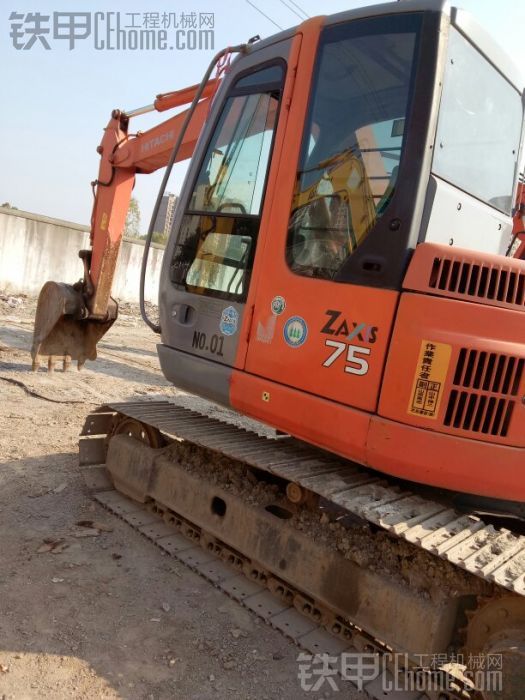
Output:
[[62, 329]]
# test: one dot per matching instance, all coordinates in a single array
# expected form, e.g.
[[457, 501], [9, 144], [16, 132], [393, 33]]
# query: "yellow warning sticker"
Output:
[[431, 373], [104, 222]]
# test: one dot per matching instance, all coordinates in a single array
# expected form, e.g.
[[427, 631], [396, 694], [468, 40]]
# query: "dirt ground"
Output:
[[106, 616]]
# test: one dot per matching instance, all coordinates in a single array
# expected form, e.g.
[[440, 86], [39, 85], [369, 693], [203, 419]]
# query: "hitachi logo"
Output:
[[157, 141]]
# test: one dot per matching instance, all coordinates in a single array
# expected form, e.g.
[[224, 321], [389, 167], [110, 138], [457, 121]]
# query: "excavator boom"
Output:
[[71, 319]]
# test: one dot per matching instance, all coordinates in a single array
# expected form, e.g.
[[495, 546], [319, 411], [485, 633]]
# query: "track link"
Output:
[[270, 599], [463, 540], [496, 556]]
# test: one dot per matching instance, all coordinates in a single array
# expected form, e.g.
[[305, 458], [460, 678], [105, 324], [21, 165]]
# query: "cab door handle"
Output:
[[184, 314]]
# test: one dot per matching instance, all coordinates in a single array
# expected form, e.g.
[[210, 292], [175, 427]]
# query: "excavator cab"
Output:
[[331, 153]]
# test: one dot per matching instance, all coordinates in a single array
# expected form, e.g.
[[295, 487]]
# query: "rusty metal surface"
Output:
[[92, 451], [267, 542], [98, 424], [61, 329], [464, 540], [283, 617], [496, 627]]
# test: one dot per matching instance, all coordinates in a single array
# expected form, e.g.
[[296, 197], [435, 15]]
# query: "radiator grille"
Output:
[[478, 280], [484, 395]]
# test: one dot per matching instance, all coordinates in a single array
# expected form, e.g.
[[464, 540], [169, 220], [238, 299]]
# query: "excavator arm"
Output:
[[71, 319]]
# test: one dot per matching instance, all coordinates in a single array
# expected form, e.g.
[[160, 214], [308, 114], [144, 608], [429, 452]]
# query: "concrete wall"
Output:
[[35, 249]]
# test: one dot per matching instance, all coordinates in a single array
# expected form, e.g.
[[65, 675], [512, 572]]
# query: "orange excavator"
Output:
[[346, 267]]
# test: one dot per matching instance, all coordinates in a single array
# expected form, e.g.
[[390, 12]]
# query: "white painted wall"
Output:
[[35, 249]]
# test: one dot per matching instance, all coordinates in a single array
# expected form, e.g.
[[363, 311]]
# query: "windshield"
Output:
[[354, 139]]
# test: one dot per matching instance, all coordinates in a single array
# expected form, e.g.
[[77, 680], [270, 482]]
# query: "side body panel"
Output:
[[446, 461], [202, 326], [457, 368], [327, 342], [453, 217]]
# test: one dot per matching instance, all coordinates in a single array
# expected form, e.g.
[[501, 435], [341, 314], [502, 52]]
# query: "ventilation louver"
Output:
[[483, 397]]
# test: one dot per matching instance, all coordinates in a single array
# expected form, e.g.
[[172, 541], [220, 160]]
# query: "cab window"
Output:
[[479, 129], [217, 240]]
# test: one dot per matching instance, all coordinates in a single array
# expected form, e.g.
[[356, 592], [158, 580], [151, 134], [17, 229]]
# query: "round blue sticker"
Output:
[[229, 321], [295, 331]]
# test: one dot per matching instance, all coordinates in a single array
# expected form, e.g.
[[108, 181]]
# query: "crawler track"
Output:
[[488, 562]]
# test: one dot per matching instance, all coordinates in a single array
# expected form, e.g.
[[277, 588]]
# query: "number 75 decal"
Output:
[[354, 363]]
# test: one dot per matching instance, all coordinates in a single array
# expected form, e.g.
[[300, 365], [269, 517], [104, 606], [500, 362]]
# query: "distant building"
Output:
[[164, 221]]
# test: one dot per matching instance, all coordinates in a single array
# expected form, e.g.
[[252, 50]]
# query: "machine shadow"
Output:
[[119, 348], [80, 603], [122, 370], [103, 365]]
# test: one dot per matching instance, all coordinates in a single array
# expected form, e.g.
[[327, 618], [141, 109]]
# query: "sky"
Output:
[[55, 103]]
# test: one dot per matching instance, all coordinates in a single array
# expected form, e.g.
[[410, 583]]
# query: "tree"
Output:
[[132, 225], [159, 237], [7, 205]]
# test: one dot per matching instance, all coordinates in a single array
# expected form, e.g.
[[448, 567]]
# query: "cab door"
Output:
[[208, 264]]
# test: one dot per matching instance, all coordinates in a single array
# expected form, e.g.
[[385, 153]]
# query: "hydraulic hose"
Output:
[[228, 50]]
